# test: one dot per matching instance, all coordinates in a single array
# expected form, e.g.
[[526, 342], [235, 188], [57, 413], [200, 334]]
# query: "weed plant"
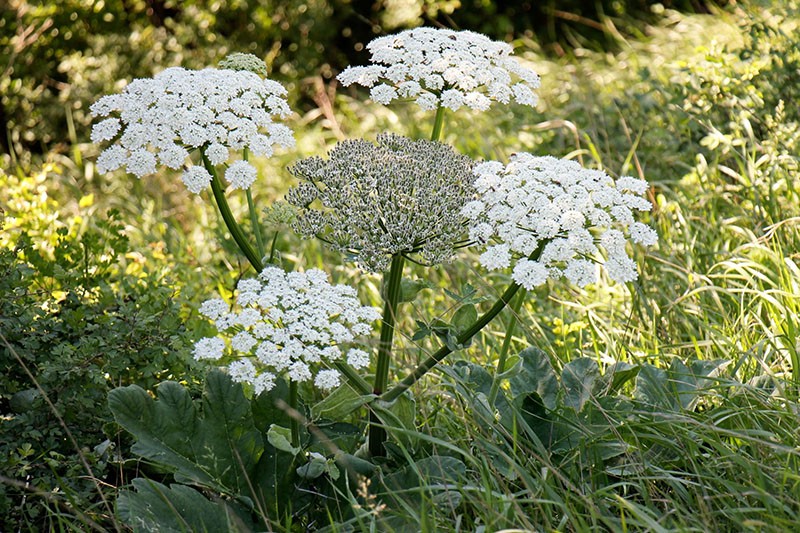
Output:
[[666, 404]]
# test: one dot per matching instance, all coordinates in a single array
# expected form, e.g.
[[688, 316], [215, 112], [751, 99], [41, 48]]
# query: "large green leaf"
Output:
[[165, 431], [535, 374], [180, 509], [689, 382], [579, 380], [340, 403], [651, 388], [680, 386], [230, 444], [217, 447], [617, 376]]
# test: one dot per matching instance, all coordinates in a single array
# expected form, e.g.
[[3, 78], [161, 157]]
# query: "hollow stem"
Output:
[[377, 435], [253, 214], [501, 361], [227, 216]]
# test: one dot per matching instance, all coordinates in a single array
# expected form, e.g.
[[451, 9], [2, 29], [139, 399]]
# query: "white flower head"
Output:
[[241, 175], [550, 218], [287, 324], [446, 68], [160, 120]]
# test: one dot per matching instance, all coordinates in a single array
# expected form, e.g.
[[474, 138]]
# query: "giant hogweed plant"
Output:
[[380, 203]]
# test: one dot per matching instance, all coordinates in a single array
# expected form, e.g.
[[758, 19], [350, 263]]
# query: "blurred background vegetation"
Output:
[[56, 57], [100, 275]]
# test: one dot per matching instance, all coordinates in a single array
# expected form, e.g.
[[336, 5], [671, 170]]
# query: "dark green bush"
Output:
[[79, 326]]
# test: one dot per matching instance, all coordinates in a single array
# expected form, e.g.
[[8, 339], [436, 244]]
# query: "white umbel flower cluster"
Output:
[[291, 324], [564, 211], [440, 67], [159, 121]]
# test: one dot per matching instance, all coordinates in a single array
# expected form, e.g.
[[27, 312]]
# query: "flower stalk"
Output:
[[445, 350], [227, 216], [461, 339], [377, 435], [438, 122], [294, 424], [251, 207]]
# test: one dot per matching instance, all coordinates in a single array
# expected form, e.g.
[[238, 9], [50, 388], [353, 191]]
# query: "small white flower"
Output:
[[243, 342], [111, 159], [196, 179], [265, 381], [580, 272], [241, 175], [242, 371], [209, 348], [141, 163], [217, 153], [643, 234], [105, 130], [358, 358], [496, 257], [298, 371], [383, 94], [472, 209], [452, 99], [327, 379], [530, 274], [214, 308], [173, 156]]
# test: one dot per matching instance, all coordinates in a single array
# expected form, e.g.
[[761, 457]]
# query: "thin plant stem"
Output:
[[253, 215], [377, 435], [438, 122], [293, 422], [445, 350], [254, 222], [501, 361], [465, 336], [227, 216], [272, 249]]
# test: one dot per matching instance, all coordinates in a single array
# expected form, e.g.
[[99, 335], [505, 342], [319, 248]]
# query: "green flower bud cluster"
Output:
[[373, 201]]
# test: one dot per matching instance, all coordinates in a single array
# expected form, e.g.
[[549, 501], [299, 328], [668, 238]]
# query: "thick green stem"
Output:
[[227, 216], [294, 423], [377, 435], [438, 122], [501, 361], [444, 351], [358, 383]]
